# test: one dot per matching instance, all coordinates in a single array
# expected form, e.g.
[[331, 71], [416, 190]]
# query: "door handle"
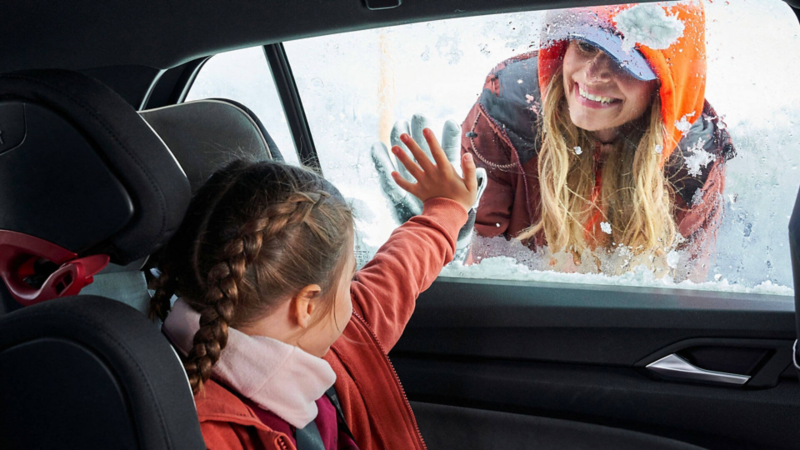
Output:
[[675, 367]]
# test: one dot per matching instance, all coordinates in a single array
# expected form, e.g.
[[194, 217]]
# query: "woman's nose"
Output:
[[601, 67]]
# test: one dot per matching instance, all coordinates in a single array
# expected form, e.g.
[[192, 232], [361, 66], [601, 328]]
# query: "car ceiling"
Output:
[[165, 33]]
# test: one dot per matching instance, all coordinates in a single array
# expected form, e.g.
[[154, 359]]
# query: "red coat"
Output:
[[501, 133], [384, 294]]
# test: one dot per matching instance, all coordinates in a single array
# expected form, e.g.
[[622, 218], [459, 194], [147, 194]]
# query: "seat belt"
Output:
[[331, 393], [309, 438]]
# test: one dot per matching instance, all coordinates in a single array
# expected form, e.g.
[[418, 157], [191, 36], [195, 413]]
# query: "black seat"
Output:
[[83, 181], [204, 135]]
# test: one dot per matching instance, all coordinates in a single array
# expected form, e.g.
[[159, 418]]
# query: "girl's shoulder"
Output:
[[216, 403], [226, 421]]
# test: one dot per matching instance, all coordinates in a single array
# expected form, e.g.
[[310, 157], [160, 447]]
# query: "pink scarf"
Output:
[[278, 377]]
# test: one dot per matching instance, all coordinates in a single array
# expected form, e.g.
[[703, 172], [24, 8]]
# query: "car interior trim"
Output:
[[292, 106]]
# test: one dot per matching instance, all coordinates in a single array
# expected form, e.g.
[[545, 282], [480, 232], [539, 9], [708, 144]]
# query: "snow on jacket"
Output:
[[384, 293], [501, 132]]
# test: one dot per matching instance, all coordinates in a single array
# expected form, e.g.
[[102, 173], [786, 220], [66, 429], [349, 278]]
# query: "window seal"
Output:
[[292, 106]]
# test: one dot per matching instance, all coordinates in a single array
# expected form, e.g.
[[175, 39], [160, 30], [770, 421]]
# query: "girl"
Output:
[[264, 269], [601, 142]]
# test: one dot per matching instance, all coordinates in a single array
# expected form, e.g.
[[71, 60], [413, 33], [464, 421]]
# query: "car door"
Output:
[[501, 354]]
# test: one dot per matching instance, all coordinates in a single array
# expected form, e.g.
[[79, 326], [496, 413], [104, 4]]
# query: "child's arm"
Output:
[[385, 290]]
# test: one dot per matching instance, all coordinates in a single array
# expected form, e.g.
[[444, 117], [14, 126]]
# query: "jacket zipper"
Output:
[[396, 378], [501, 167]]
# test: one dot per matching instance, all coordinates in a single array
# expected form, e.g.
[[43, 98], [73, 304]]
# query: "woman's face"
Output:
[[602, 96]]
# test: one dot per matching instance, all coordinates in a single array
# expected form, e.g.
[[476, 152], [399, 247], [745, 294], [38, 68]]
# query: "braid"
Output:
[[164, 287], [255, 234], [224, 278]]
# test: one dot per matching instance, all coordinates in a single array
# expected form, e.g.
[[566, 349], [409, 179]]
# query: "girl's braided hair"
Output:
[[255, 234]]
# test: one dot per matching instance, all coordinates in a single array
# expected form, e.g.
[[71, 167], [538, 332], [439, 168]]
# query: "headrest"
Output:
[[81, 173], [205, 135]]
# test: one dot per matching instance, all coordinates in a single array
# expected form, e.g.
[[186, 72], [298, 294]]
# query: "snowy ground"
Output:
[[355, 85]]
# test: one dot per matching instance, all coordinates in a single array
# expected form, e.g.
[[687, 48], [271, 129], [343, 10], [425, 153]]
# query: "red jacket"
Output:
[[384, 294], [502, 134]]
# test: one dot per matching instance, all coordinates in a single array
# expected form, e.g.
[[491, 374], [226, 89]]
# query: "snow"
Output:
[[605, 227], [659, 149], [506, 268], [648, 24], [698, 159], [684, 125], [578, 150], [673, 258], [697, 198]]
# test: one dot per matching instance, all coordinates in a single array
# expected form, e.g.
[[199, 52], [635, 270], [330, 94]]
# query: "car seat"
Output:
[[203, 135], [85, 181]]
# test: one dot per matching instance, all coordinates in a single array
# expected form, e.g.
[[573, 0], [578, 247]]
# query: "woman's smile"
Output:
[[590, 99]]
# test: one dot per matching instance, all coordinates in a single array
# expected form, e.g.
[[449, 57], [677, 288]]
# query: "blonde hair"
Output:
[[635, 197]]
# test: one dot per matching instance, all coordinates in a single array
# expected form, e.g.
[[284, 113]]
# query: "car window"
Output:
[[244, 76], [733, 175]]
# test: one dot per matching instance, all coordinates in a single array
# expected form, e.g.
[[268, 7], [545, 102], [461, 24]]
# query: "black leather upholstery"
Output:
[[205, 135], [90, 175], [86, 372]]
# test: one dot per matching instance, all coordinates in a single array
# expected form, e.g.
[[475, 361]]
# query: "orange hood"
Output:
[[680, 67]]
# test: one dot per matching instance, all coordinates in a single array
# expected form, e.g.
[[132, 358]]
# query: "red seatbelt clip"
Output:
[[18, 254]]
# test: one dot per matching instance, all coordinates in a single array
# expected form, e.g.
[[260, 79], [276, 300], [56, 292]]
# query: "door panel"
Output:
[[579, 353], [449, 427]]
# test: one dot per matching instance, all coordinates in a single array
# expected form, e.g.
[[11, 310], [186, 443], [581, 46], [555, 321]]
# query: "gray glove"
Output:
[[404, 205]]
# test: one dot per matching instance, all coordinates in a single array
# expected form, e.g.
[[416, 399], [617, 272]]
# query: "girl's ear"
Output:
[[303, 304]]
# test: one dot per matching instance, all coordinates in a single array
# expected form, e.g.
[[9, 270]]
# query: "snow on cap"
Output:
[[650, 25], [669, 36], [583, 25]]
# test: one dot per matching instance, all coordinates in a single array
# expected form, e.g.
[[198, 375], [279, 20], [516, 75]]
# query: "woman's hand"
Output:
[[437, 178]]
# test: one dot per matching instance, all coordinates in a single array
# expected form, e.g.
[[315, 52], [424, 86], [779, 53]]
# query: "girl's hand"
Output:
[[437, 178]]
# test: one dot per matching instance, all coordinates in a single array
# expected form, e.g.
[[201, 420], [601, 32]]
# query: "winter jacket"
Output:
[[384, 293], [501, 132]]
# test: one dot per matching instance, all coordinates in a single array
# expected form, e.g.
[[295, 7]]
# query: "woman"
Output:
[[602, 140]]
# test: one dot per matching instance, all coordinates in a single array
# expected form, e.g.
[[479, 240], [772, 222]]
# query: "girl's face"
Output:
[[318, 340], [602, 96]]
